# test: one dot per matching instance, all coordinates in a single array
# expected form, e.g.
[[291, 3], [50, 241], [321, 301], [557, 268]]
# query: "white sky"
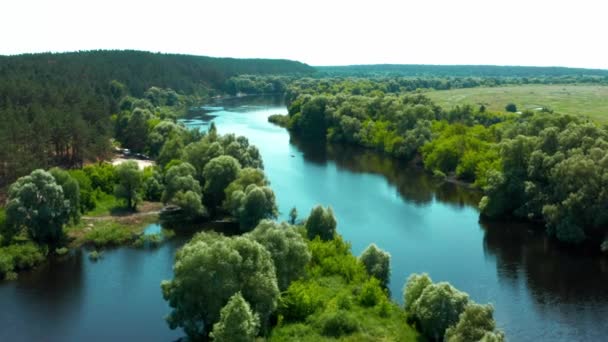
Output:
[[507, 32]]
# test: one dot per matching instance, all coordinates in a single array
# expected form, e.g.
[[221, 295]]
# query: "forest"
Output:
[[65, 115], [537, 165], [56, 108], [296, 279]]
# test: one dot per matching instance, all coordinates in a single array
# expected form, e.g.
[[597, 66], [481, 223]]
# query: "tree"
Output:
[[209, 270], [37, 203], [129, 183], [474, 323], [252, 205], [416, 283], [152, 184], [136, 132], [200, 153], [219, 173], [180, 177], [87, 196], [293, 215], [247, 176], [171, 150], [377, 263], [191, 204], [322, 223], [238, 323], [439, 307], [288, 249], [511, 107], [71, 190]]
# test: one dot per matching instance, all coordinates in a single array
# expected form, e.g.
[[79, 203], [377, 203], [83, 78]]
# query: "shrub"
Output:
[[109, 234], [371, 293], [95, 255], [338, 323], [300, 301]]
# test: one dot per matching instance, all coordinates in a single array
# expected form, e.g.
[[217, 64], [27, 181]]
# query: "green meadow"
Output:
[[587, 100]]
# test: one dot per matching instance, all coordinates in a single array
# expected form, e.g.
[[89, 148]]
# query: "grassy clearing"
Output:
[[337, 308], [104, 205], [112, 226], [586, 100]]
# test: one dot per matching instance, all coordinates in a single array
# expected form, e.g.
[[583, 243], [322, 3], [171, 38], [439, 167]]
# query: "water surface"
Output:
[[540, 290]]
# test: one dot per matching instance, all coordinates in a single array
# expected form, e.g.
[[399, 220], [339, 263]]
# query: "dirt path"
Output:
[[120, 217]]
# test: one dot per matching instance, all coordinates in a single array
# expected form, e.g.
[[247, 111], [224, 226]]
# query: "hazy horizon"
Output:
[[436, 32]]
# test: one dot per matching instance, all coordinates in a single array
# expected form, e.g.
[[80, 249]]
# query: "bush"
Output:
[[438, 308], [511, 107], [371, 293], [152, 240], [19, 257], [377, 263], [95, 255], [109, 234], [300, 301], [62, 251], [334, 257], [338, 323], [321, 222]]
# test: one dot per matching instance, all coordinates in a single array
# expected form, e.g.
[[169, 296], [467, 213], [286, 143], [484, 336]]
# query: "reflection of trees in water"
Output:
[[553, 272], [252, 100], [53, 289], [413, 184]]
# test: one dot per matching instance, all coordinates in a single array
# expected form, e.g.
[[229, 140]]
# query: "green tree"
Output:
[[153, 186], [439, 307], [87, 196], [238, 323], [475, 322], [416, 283], [129, 183], [288, 249], [247, 176], [209, 270], [198, 154], [71, 190], [511, 107], [377, 263], [252, 205], [173, 149], [136, 132], [293, 215], [321, 222], [180, 177], [36, 202], [219, 173]]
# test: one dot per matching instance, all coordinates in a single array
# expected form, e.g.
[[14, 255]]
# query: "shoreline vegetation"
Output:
[[203, 176], [521, 161], [282, 281]]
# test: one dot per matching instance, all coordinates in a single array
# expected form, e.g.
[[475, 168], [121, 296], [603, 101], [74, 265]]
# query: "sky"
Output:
[[508, 32]]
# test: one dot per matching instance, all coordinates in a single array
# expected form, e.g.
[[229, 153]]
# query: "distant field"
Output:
[[588, 100]]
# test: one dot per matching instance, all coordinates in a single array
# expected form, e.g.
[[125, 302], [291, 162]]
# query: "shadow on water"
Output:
[[550, 269], [413, 183]]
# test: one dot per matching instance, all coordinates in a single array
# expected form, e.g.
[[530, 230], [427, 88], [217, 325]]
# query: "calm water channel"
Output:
[[540, 290]]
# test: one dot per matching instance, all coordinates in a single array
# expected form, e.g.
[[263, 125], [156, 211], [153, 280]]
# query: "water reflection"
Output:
[[411, 181]]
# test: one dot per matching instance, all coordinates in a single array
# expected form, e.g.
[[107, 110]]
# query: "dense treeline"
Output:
[[301, 282], [559, 74], [55, 108], [535, 166]]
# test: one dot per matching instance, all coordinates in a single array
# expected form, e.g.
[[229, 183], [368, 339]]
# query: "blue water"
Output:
[[540, 290]]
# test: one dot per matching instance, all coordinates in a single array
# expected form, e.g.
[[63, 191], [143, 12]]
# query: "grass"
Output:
[[338, 309], [105, 204], [586, 100]]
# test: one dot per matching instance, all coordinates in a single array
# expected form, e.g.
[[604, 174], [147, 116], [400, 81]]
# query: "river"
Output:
[[540, 290]]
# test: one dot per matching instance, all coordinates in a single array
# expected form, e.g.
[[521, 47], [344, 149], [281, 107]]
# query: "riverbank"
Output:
[[113, 227]]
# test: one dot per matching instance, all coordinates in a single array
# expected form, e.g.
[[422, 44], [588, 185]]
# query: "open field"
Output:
[[587, 100]]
